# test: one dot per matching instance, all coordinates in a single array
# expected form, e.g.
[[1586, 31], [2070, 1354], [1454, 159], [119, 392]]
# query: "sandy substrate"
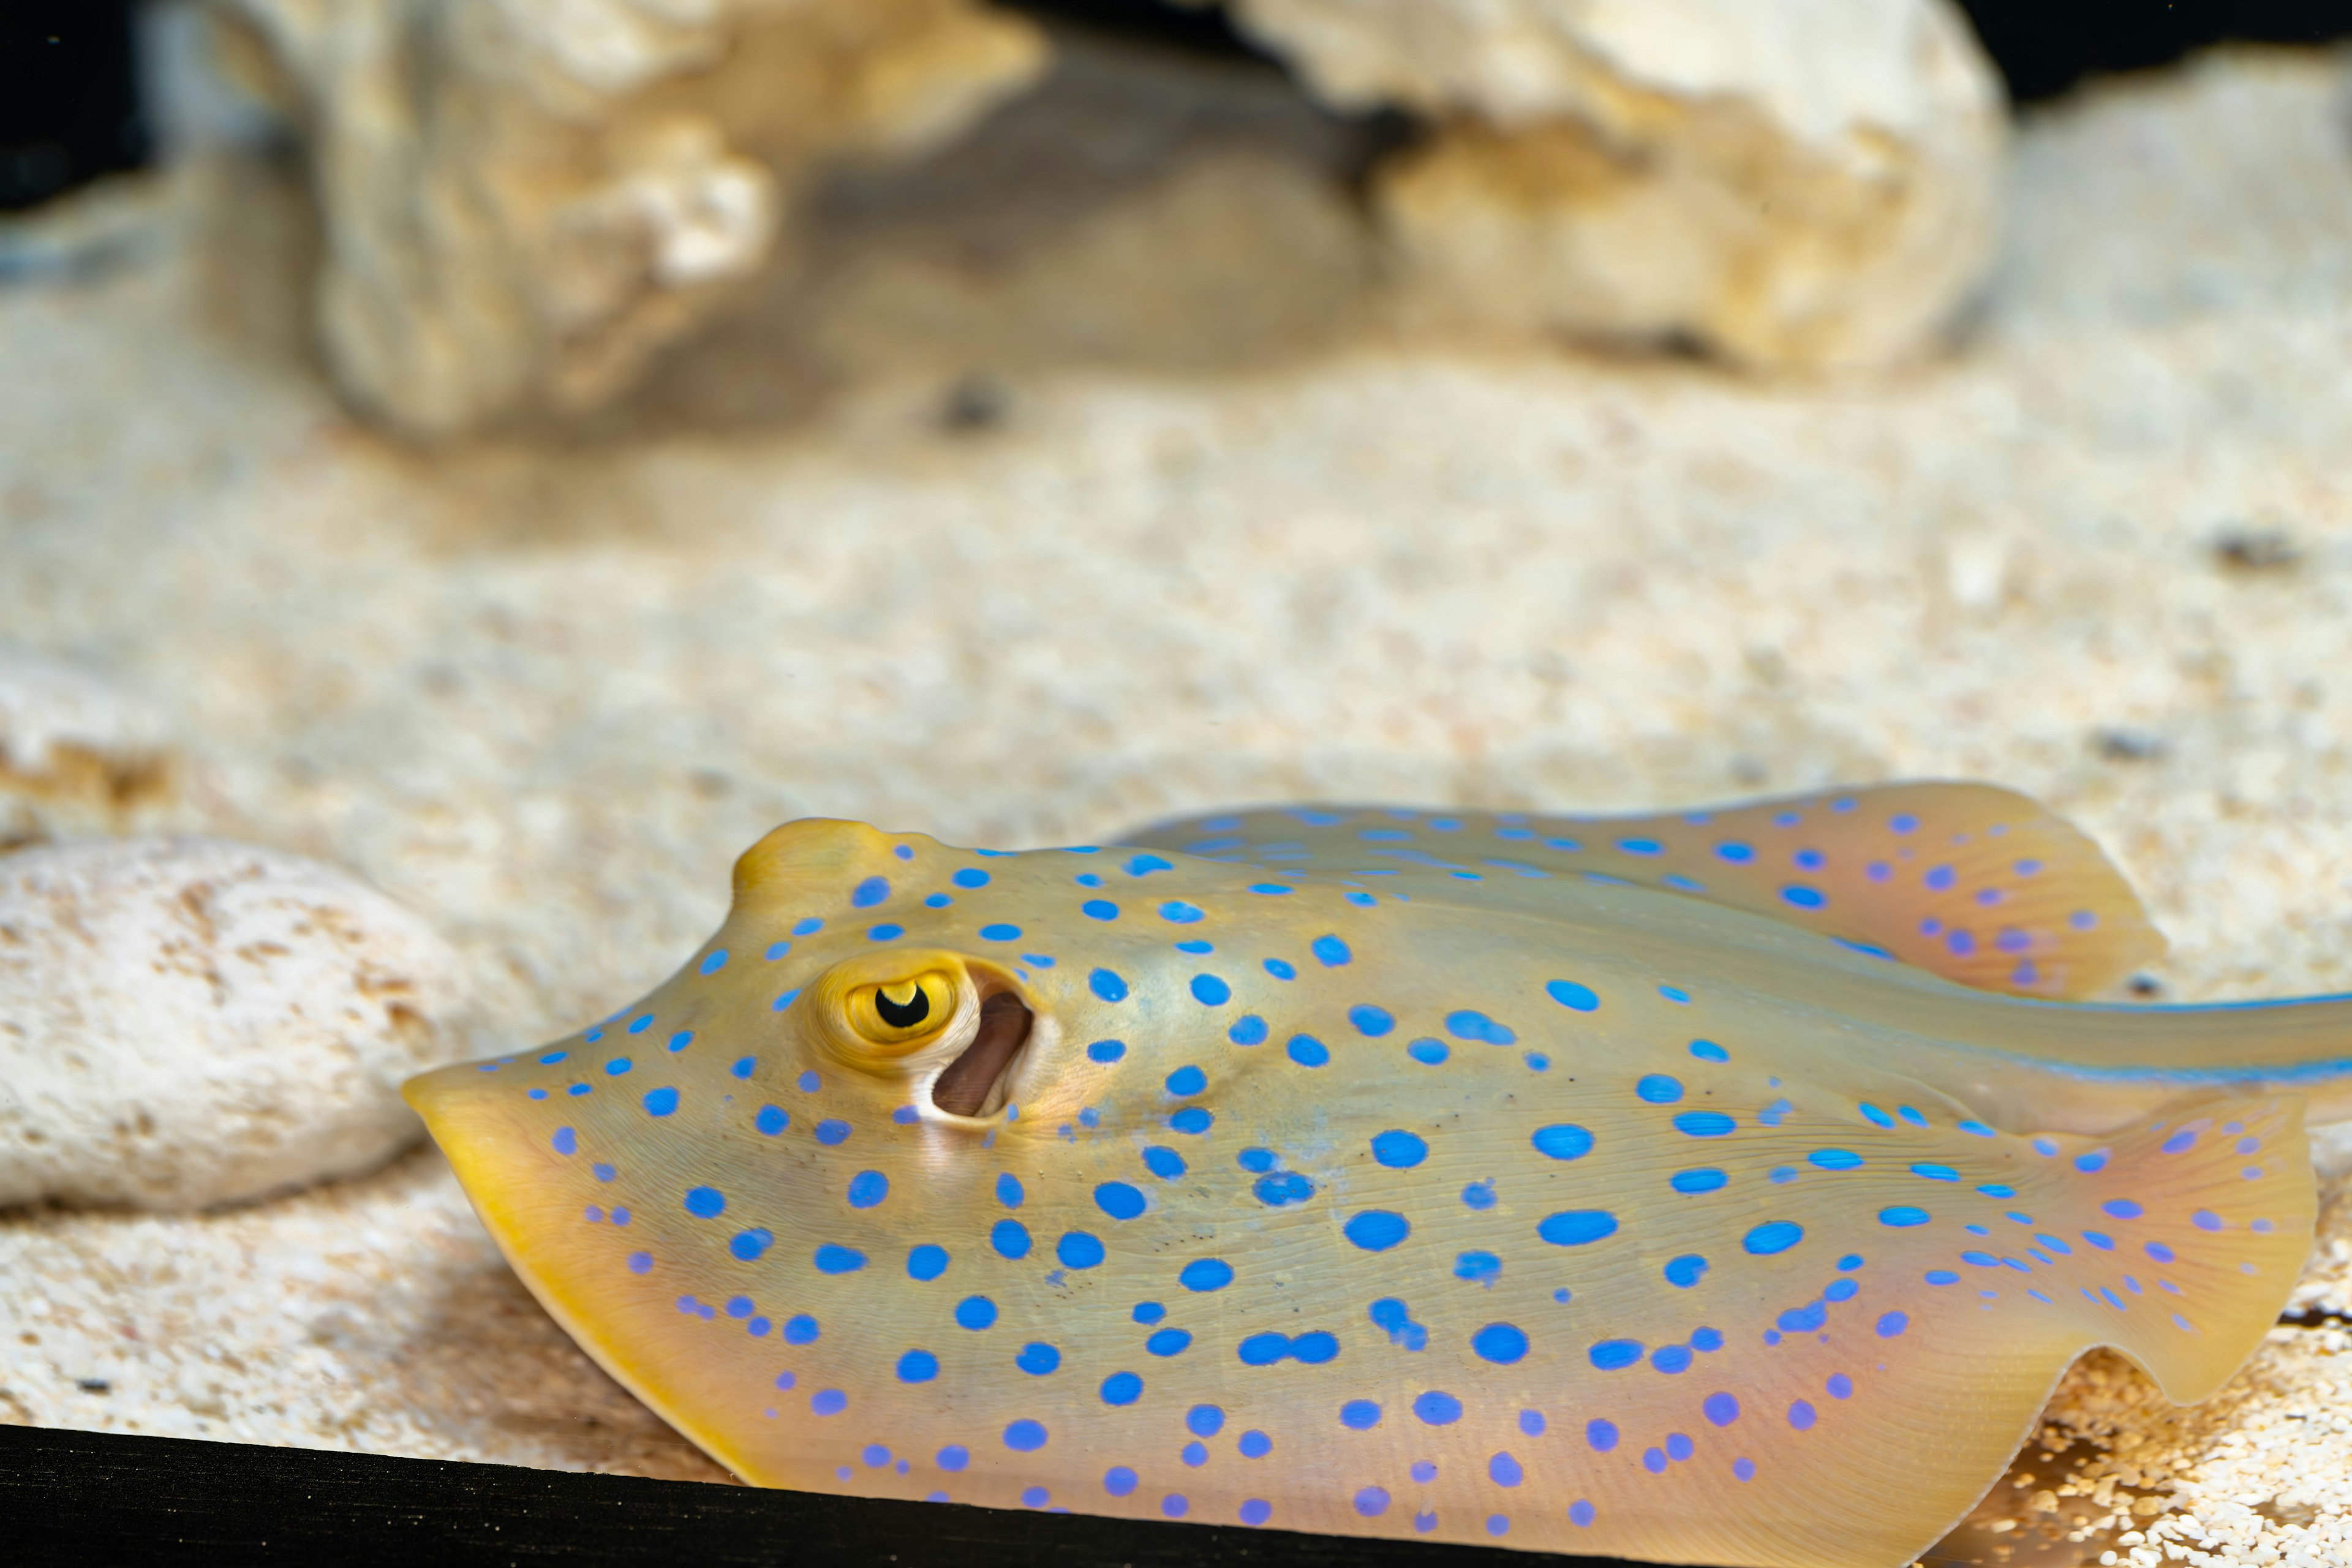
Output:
[[543, 692]]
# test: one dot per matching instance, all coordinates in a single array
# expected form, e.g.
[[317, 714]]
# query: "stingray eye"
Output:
[[903, 1013]]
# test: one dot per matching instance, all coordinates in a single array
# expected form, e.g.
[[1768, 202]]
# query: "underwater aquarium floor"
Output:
[[543, 691]]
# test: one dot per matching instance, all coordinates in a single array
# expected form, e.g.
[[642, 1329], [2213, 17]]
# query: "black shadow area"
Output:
[[85, 1498]]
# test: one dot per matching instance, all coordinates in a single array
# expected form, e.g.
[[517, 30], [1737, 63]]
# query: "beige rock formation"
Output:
[[524, 201], [187, 1022], [77, 751], [1787, 182]]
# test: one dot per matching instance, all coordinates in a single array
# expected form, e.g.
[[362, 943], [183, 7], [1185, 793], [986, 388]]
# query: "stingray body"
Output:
[[1725, 1188]]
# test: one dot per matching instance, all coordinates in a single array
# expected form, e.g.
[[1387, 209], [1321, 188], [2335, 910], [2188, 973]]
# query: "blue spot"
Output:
[[1834, 1159], [1504, 1471], [1936, 1173], [832, 1131], [705, 1203], [1148, 1313], [1892, 1324], [869, 892], [1178, 913], [807, 1083], [1144, 865], [1437, 1408], [1330, 950], [1502, 1343], [831, 1259], [1025, 1437], [1165, 1163], [1192, 1119], [1168, 1343], [1569, 994], [1611, 1356], [970, 877], [1479, 1194], [1256, 1160], [800, 1331], [1037, 1359], [745, 1066], [1206, 1274], [567, 1141], [1210, 990], [1107, 1050], [868, 1188], [1377, 1230], [829, 1402], [2122, 1208], [714, 961], [927, 1262], [1118, 1480], [1205, 1420], [1686, 1271], [885, 932], [917, 1366], [1702, 1181], [1578, 1227], [1187, 1080], [1659, 1089], [1672, 1360], [1703, 1123], [747, 1245], [1876, 1117], [1280, 970], [1399, 1150], [1564, 1141], [1008, 1190], [1010, 1237], [1307, 1051], [976, 1313], [1262, 1350], [618, 1066], [1902, 1215], [1775, 1236], [1359, 1415], [1600, 1434], [1468, 1025], [1641, 847], [1000, 932], [1122, 1388], [1479, 1266], [1371, 1021], [1735, 852], [1804, 898], [1272, 890], [1118, 1200], [1282, 1188], [680, 1040], [1429, 1053], [1247, 1030], [1107, 985]]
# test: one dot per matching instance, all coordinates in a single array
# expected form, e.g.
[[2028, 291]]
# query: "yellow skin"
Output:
[[1683, 1188]]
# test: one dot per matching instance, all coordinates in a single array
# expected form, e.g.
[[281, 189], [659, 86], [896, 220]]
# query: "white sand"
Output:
[[543, 693]]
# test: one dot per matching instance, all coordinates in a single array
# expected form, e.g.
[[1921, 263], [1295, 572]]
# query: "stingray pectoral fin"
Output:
[[599, 1281], [1980, 885]]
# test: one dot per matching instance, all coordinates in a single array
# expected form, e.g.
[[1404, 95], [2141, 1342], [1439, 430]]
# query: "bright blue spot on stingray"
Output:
[[1672, 1360], [1399, 1150], [1610, 1355], [1256, 1159], [1178, 912], [1377, 1230], [1122, 1388], [1330, 950], [1187, 1080], [832, 1131], [917, 1366], [1099, 910], [1699, 1180], [1025, 1437], [2122, 1208], [747, 1245], [1359, 1415], [1775, 1236], [1262, 1350], [831, 1259], [1977, 1130], [1272, 890], [927, 1262], [705, 1203], [1901, 1215], [1569, 994], [1284, 1187], [1010, 1237], [1371, 1021], [1163, 1163], [1577, 1228], [1118, 1200], [1686, 1271], [970, 877], [976, 1313], [1478, 1267], [868, 1188], [1437, 1408], [1000, 932], [1247, 1030], [869, 892], [1280, 970], [1834, 1159], [618, 1066], [1479, 1194], [1168, 1343], [2095, 1160], [1429, 1053], [1892, 1324], [1037, 1359], [1307, 1051], [1107, 1050], [1657, 1088], [1470, 1025], [714, 961], [1562, 1141], [1502, 1343], [1204, 1274], [1936, 1173], [1735, 852], [1802, 897], [1192, 1119], [772, 1120], [567, 1141], [885, 932], [1107, 985], [1704, 1123], [1210, 990]]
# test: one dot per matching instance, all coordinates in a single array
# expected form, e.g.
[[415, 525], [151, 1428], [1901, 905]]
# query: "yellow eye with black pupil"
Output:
[[903, 1011]]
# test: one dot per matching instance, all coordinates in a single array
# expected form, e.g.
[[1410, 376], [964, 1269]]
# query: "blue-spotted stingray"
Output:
[[1728, 1187]]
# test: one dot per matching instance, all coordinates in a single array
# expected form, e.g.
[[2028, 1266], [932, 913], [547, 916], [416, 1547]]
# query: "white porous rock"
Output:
[[524, 200], [188, 1021], [77, 751], [1787, 182]]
